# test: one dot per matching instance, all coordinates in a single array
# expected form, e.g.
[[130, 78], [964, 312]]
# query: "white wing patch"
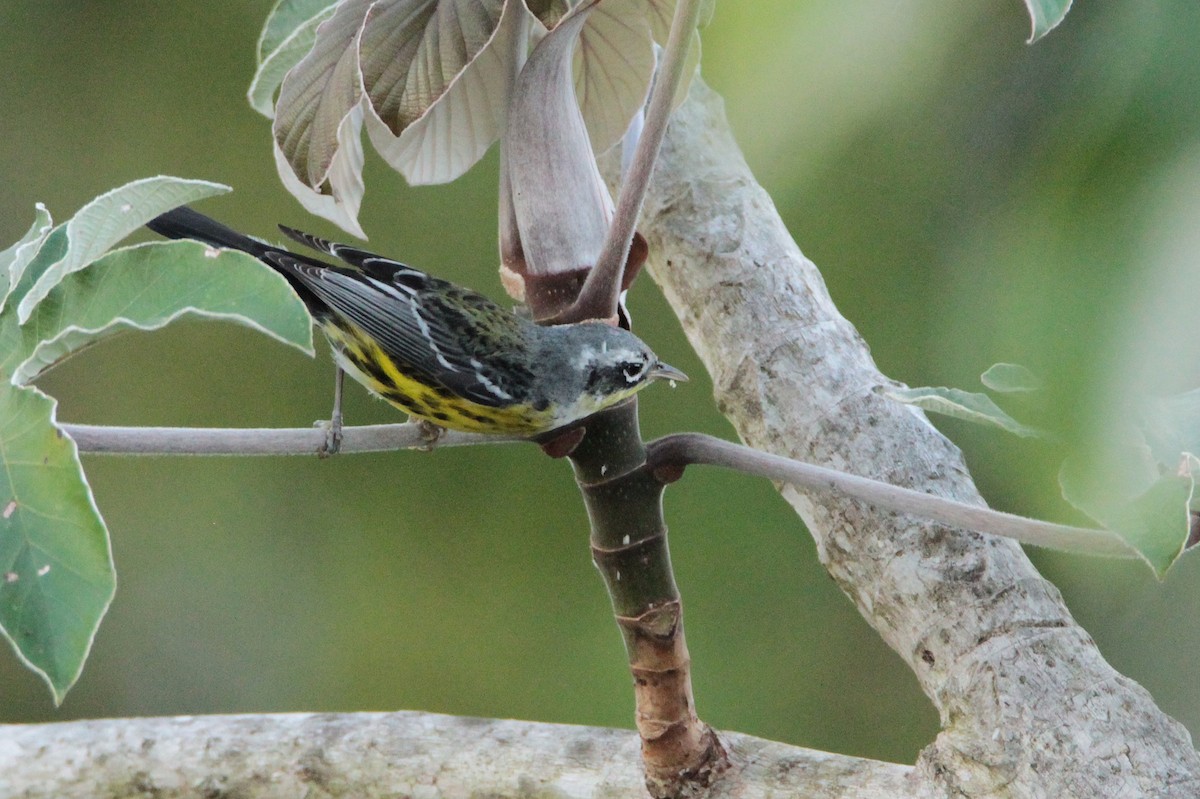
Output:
[[486, 383], [421, 323]]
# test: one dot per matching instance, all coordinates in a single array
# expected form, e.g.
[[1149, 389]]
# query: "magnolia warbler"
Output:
[[441, 352]]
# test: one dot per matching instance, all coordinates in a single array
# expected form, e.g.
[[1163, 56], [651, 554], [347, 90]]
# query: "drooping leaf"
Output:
[[275, 65], [285, 19], [14, 259], [439, 75], [967, 405], [318, 120], [319, 93], [1008, 378], [340, 196], [1045, 16], [147, 286], [433, 119], [561, 204], [109, 218], [56, 570]]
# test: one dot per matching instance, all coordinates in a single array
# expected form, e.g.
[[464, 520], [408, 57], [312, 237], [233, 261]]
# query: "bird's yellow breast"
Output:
[[367, 363]]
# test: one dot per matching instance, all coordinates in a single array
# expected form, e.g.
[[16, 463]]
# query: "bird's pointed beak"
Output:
[[662, 371]]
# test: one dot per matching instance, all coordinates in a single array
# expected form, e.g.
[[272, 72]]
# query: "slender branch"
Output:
[[262, 441], [684, 449], [678, 450], [603, 285]]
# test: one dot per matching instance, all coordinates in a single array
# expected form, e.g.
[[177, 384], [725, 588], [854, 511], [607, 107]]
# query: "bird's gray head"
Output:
[[603, 365]]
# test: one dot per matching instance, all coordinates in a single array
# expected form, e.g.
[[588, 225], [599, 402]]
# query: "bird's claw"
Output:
[[333, 436], [430, 433]]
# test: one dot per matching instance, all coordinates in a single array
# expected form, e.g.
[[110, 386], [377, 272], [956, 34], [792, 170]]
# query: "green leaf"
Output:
[[56, 569], [1157, 523], [1010, 378], [1045, 15], [277, 61], [147, 286], [285, 19], [960, 404], [14, 260], [1125, 488], [52, 250], [109, 218]]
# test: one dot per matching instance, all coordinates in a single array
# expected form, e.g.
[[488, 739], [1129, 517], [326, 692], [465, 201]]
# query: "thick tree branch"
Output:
[[1028, 705], [363, 755]]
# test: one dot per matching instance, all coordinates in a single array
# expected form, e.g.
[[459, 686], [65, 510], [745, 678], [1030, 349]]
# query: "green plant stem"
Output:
[[629, 546]]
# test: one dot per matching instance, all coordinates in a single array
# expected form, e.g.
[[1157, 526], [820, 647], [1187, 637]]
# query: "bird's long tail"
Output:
[[184, 223]]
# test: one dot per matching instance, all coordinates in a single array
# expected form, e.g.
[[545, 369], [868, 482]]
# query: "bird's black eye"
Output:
[[633, 370]]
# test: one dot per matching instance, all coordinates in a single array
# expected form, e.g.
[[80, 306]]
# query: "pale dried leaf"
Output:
[[445, 125], [318, 95], [341, 195], [562, 206], [613, 67]]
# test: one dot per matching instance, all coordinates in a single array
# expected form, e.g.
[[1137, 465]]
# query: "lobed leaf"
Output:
[[56, 570], [438, 78], [106, 220], [967, 405]]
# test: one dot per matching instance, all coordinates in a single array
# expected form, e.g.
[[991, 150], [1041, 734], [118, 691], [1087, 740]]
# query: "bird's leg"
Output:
[[430, 432], [333, 428]]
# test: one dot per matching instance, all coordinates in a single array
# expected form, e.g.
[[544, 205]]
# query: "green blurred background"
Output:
[[969, 198]]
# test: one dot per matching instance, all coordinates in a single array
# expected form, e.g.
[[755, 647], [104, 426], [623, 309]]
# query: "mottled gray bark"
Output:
[[365, 755]]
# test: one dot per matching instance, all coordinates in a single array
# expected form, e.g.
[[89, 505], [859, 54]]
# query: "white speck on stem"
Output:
[[42, 572], [9, 508]]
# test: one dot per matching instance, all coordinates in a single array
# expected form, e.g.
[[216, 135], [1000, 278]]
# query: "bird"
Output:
[[444, 354]]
